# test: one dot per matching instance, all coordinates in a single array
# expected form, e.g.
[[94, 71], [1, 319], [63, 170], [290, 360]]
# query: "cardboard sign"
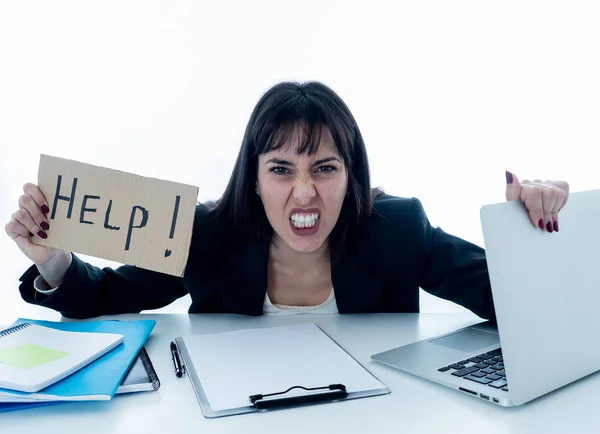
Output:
[[116, 215]]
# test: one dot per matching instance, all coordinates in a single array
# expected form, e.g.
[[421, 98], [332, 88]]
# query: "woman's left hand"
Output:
[[543, 200]]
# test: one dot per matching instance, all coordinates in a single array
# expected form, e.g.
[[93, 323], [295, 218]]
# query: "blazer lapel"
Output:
[[356, 290], [244, 291]]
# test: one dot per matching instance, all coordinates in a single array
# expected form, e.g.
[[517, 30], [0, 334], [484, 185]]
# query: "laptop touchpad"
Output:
[[467, 340]]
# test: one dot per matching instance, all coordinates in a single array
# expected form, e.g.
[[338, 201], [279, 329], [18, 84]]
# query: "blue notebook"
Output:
[[97, 381]]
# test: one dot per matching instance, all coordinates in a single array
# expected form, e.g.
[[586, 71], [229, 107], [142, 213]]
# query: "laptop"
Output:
[[546, 292]]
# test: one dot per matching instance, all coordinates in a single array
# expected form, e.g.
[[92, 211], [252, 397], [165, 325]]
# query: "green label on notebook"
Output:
[[29, 356]]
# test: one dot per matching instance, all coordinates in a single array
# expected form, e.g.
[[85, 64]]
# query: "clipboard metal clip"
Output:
[[335, 391]]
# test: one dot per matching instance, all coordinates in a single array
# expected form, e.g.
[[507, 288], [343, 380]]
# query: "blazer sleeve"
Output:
[[88, 291], [452, 268]]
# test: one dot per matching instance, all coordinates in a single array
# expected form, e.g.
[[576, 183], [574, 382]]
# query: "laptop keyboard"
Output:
[[486, 368]]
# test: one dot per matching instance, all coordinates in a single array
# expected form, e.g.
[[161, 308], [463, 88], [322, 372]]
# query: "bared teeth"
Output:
[[304, 220]]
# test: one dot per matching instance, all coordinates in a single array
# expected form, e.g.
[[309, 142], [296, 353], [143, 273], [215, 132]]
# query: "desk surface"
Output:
[[414, 405]]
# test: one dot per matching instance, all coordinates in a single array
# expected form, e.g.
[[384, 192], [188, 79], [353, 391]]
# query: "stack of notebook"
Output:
[[43, 362]]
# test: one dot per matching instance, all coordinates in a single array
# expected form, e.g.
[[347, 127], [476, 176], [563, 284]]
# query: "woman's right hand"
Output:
[[30, 221]]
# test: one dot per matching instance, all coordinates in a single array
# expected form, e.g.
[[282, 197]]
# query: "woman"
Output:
[[298, 229]]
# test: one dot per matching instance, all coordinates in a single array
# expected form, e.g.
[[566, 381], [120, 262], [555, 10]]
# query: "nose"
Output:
[[304, 192]]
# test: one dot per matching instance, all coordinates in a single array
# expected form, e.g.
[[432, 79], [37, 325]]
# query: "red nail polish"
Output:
[[42, 234], [555, 225], [45, 209], [549, 227], [45, 226], [541, 224]]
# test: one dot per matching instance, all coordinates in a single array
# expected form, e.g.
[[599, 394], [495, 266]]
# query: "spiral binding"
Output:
[[152, 377], [14, 329]]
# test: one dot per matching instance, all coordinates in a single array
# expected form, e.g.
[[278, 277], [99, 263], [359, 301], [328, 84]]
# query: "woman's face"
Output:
[[302, 194]]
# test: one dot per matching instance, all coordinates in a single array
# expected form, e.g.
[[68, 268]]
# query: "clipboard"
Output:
[[254, 370]]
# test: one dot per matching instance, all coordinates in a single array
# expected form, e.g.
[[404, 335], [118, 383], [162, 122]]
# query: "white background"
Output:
[[448, 95]]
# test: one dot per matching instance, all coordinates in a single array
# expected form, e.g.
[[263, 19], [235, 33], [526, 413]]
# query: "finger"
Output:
[[513, 187], [37, 195], [564, 187], [549, 197], [561, 198], [14, 229], [19, 233], [531, 196], [24, 218], [28, 203]]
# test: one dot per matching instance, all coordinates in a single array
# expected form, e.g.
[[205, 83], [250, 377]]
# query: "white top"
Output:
[[327, 307]]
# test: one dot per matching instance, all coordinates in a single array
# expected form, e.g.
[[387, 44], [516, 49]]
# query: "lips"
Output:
[[305, 211]]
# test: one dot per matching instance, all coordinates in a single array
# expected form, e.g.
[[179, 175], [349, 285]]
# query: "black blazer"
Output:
[[392, 253]]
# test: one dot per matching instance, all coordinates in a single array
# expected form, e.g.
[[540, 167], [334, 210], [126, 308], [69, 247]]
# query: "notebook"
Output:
[[249, 370], [141, 377], [99, 380], [33, 357]]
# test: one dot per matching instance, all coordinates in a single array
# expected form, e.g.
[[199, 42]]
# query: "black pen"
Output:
[[176, 360]]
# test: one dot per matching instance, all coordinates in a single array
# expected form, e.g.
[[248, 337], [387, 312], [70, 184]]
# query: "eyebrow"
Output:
[[316, 163]]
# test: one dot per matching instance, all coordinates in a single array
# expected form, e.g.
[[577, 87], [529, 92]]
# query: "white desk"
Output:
[[414, 406]]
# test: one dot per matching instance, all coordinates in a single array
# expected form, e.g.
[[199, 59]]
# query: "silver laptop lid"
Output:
[[546, 291]]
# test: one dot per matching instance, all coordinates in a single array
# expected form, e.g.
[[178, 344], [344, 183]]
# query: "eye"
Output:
[[326, 169], [279, 170]]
